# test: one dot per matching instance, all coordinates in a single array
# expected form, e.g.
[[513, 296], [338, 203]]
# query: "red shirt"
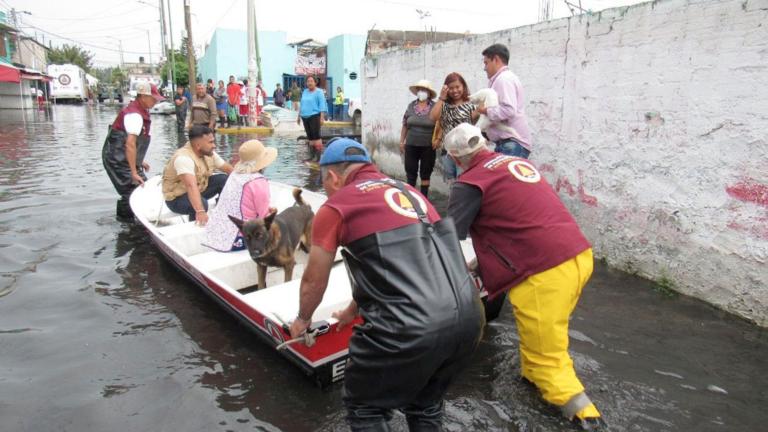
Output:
[[233, 93]]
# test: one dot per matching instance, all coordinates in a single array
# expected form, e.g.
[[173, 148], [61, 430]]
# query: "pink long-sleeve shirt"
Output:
[[511, 108]]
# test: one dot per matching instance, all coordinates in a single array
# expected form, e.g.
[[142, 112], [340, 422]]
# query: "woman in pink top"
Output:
[[245, 196]]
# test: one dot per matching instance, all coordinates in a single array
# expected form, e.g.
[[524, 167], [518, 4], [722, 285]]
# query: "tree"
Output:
[[118, 77], [181, 68], [71, 54], [110, 76]]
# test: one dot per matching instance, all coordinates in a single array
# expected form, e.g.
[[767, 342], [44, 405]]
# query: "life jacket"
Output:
[[522, 227], [173, 186]]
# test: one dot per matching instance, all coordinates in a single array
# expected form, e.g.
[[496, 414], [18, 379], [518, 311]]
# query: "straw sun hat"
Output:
[[423, 84], [254, 157]]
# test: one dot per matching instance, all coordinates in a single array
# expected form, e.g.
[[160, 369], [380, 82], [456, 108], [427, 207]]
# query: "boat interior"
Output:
[[236, 271]]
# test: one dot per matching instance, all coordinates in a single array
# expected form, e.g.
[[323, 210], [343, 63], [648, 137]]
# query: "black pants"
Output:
[[181, 204], [371, 419], [181, 120], [419, 160], [312, 126]]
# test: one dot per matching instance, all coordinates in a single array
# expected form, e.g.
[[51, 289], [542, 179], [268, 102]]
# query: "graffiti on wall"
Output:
[[749, 192], [564, 184]]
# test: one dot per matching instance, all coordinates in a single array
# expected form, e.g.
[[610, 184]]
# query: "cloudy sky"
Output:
[[100, 26]]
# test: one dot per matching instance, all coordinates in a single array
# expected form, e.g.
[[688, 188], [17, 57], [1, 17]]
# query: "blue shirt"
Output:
[[313, 102]]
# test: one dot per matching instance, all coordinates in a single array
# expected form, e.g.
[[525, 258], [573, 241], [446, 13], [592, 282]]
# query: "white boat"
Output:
[[230, 278], [163, 107]]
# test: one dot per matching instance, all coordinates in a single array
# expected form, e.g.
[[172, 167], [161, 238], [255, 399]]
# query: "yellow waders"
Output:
[[542, 305]]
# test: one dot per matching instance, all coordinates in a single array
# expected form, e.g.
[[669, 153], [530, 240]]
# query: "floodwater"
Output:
[[98, 332]]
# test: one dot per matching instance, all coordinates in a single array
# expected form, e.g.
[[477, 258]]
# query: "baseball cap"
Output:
[[464, 139], [149, 90], [344, 150]]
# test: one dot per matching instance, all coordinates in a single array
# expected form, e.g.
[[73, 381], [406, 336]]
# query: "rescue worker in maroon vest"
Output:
[[419, 326], [126, 145], [527, 244]]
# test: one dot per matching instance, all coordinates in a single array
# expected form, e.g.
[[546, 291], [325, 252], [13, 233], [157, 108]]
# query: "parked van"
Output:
[[69, 83]]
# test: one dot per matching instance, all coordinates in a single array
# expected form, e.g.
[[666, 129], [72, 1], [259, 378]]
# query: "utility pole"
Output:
[[253, 68], [122, 60], [15, 19], [161, 5], [190, 46], [149, 45], [173, 53]]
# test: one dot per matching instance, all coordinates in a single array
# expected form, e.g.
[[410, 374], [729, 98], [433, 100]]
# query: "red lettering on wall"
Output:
[[564, 184], [748, 190]]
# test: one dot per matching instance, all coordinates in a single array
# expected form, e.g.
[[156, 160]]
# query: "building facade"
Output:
[[344, 55], [227, 54]]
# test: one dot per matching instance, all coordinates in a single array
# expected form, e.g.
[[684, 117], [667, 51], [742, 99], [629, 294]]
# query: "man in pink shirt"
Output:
[[510, 130]]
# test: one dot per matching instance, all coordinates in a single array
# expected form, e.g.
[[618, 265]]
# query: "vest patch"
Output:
[[524, 171], [401, 205]]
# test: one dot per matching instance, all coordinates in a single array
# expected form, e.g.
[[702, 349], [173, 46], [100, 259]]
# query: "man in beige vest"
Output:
[[188, 178]]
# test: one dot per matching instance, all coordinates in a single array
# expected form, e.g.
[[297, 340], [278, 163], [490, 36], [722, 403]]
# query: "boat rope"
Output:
[[309, 338]]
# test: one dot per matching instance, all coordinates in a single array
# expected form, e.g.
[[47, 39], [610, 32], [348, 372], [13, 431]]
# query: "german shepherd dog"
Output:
[[272, 241]]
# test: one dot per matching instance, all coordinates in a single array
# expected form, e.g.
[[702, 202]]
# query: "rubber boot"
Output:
[[123, 210]]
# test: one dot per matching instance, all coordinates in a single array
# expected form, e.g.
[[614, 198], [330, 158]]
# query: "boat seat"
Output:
[[161, 214], [215, 260]]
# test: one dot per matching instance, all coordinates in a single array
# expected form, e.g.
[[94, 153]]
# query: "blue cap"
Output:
[[344, 150]]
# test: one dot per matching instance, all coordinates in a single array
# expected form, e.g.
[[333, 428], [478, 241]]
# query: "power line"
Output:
[[96, 33], [87, 44], [92, 18]]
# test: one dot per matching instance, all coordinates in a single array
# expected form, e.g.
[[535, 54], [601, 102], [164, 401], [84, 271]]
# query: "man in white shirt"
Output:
[[126, 145], [188, 178]]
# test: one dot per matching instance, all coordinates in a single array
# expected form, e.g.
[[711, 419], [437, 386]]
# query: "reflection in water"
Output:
[[99, 332]]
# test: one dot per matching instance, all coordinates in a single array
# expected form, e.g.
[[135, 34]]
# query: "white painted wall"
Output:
[[651, 121]]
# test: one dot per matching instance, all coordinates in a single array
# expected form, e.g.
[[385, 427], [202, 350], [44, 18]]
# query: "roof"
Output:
[[31, 39], [8, 28]]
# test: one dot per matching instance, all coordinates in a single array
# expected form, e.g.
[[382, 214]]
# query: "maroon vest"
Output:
[[368, 206], [522, 227], [132, 108]]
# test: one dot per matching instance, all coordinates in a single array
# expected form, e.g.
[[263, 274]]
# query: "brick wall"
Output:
[[651, 121]]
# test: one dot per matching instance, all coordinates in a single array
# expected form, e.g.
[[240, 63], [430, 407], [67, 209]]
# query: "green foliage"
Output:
[[666, 287], [181, 68], [118, 77], [71, 54], [110, 76]]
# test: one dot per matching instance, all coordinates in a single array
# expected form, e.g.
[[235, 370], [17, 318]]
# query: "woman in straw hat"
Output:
[[245, 196], [416, 136]]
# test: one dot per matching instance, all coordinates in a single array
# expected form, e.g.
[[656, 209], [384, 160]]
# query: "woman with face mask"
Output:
[[416, 136], [450, 110]]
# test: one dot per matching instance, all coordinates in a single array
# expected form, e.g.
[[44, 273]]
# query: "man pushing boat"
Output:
[[421, 314]]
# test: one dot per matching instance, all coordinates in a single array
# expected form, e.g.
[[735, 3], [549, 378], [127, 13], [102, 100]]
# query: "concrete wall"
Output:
[[651, 121], [15, 96], [344, 54], [227, 54]]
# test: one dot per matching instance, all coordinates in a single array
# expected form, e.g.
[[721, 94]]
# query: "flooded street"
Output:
[[98, 332]]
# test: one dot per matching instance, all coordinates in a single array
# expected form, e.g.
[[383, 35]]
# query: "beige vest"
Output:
[[173, 187]]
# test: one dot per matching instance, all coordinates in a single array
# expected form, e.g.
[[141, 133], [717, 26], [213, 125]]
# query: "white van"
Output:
[[69, 83]]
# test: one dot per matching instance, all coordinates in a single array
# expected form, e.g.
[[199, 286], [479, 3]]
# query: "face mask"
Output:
[[422, 95]]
